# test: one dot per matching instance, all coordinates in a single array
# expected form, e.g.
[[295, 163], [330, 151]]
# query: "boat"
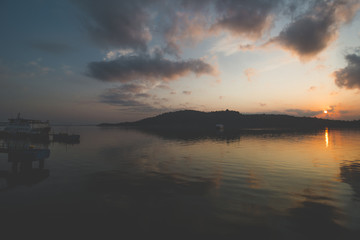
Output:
[[22, 126]]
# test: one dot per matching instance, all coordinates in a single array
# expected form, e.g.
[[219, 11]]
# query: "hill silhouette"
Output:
[[233, 120]]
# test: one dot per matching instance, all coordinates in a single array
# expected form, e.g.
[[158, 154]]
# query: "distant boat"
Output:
[[21, 126]]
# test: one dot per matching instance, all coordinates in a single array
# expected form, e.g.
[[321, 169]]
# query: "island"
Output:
[[191, 119]]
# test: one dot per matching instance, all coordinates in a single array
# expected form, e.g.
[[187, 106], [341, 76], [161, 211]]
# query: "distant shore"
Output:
[[189, 119]]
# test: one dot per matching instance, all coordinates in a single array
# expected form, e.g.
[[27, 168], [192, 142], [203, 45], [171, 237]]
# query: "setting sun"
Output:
[[325, 111]]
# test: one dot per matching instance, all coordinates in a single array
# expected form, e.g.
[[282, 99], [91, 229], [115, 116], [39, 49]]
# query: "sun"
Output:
[[325, 111]]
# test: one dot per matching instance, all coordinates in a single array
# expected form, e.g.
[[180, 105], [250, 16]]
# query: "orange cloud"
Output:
[[250, 73]]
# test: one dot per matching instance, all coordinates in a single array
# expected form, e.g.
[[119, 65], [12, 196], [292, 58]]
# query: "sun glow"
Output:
[[325, 111], [327, 137]]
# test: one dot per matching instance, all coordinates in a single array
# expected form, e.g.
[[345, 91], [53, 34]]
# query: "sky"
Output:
[[89, 61]]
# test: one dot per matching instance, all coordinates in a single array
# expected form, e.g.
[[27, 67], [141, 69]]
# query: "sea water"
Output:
[[253, 184]]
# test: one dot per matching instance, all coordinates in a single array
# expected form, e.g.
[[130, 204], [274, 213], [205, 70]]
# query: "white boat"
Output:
[[27, 126]]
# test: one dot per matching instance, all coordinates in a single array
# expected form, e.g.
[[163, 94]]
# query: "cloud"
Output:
[[131, 25], [330, 109], [262, 104], [320, 67], [250, 73], [349, 77], [51, 47], [250, 18], [67, 70], [198, 5], [246, 47], [184, 28], [37, 68], [310, 113], [308, 36], [143, 95], [113, 54], [129, 96], [121, 24], [187, 92], [303, 113], [226, 45], [312, 32], [312, 88], [192, 21], [164, 87], [145, 67], [10, 74], [131, 88]]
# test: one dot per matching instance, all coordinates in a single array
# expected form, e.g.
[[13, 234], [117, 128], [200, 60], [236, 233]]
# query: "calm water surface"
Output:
[[273, 185]]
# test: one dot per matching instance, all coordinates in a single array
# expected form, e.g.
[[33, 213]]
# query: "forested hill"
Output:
[[233, 119]]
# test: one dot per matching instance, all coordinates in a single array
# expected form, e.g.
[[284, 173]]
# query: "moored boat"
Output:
[[27, 126], [21, 128]]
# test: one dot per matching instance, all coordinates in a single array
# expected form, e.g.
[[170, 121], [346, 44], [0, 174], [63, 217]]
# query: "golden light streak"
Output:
[[327, 137]]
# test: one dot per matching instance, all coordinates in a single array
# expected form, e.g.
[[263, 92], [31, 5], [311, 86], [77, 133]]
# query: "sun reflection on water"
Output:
[[327, 137]]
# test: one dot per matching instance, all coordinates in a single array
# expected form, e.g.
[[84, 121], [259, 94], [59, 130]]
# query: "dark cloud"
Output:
[[164, 87], [129, 24], [175, 23], [51, 47], [145, 67], [248, 17], [303, 113], [116, 23], [133, 97], [187, 92], [308, 36], [131, 88], [197, 5], [184, 28], [310, 33], [195, 20], [128, 95], [143, 95], [349, 77]]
